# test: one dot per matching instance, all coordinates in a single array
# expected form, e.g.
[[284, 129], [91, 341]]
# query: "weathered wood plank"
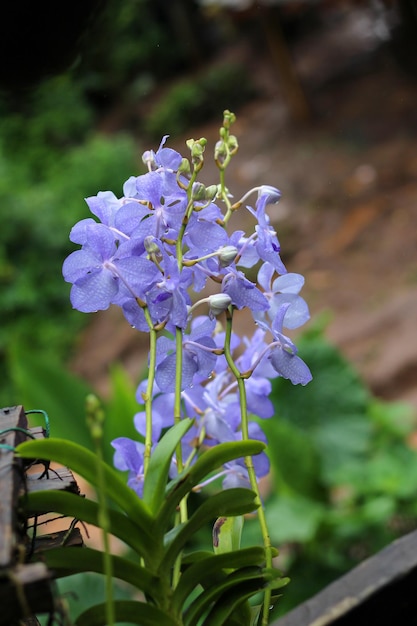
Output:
[[71, 538], [60, 478], [381, 590], [13, 422], [24, 591]]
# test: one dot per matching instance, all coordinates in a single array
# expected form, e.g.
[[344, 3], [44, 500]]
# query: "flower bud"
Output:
[[197, 148], [232, 144], [227, 255], [198, 191], [202, 193], [219, 303], [229, 118], [220, 152], [184, 168], [148, 158], [273, 194], [211, 192], [150, 244]]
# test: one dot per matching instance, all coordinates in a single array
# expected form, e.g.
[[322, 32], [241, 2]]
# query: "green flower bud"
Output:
[[150, 244], [227, 255], [198, 191], [232, 144], [219, 303], [211, 192], [184, 168], [220, 152]]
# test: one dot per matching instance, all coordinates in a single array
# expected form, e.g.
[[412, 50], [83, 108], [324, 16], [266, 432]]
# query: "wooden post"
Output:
[[25, 587], [11, 479]]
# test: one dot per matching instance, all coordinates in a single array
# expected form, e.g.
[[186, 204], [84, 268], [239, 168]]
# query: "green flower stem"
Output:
[[223, 193], [183, 512], [148, 394], [177, 413], [95, 419], [182, 516], [248, 460]]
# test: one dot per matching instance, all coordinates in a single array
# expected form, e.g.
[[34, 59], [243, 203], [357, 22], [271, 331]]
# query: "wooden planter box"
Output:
[[381, 591], [25, 588]]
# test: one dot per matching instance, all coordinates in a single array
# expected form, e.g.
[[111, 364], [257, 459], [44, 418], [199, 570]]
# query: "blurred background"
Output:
[[325, 94]]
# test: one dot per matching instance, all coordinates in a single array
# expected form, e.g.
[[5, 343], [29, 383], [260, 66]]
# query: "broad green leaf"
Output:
[[227, 533], [244, 588], [209, 461], [392, 419], [341, 442], [157, 473], [207, 571], [227, 593], [86, 510], [230, 502], [68, 561], [84, 463], [130, 611], [293, 518], [294, 457], [81, 590]]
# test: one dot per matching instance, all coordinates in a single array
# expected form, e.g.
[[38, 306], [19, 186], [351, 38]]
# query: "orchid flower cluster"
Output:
[[156, 252]]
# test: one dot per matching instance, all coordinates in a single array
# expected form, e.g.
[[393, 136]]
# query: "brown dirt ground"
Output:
[[347, 219]]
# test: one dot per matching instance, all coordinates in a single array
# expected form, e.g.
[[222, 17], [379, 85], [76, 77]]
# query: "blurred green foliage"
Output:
[[42, 381], [343, 474], [49, 161], [344, 477], [193, 101], [129, 41], [51, 158]]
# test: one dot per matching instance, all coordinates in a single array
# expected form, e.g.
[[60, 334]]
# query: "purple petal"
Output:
[[288, 283], [128, 454], [297, 312], [78, 264], [166, 371], [95, 292], [291, 367]]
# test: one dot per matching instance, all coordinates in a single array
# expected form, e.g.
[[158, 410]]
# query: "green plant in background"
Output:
[[151, 41], [48, 160], [196, 100], [41, 380], [343, 475]]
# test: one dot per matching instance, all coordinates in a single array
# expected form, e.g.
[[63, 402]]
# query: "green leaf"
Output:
[[293, 518], [157, 473], [341, 442], [68, 561], [126, 611], [392, 419], [84, 463], [225, 503], [209, 461], [86, 510], [207, 570], [227, 593], [81, 590], [243, 589], [227, 533], [294, 458]]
